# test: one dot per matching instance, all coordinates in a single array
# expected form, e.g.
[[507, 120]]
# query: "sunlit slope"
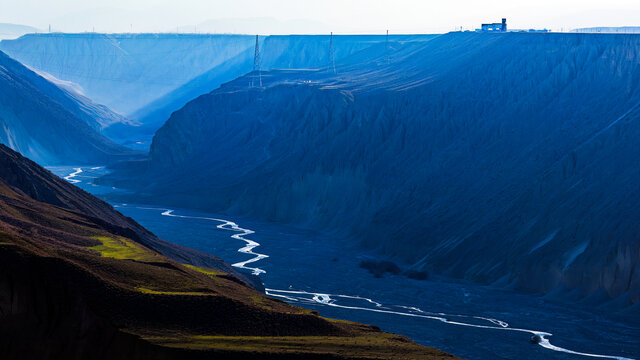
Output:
[[77, 286], [37, 183], [50, 125], [496, 157]]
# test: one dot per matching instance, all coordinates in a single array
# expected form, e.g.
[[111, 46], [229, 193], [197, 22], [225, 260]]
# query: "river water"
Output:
[[321, 272]]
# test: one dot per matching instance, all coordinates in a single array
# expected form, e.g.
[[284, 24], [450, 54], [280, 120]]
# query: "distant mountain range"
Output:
[[125, 71], [610, 30], [52, 125], [504, 158], [13, 31], [148, 76]]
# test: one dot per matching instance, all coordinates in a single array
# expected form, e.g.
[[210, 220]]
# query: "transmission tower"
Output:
[[256, 63], [386, 48], [332, 56]]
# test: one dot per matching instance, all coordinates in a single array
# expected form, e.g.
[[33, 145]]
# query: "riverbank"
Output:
[[322, 273]]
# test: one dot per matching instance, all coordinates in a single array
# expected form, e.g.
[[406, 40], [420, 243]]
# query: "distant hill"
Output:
[[51, 125], [80, 281], [507, 158], [610, 30], [12, 31]]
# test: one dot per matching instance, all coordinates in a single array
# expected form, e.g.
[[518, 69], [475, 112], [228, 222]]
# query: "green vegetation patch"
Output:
[[123, 249], [182, 293], [365, 346], [6, 239], [340, 321], [206, 271], [5, 191], [259, 302]]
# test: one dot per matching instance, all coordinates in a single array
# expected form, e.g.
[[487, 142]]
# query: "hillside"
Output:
[[49, 124], [82, 281], [514, 169]]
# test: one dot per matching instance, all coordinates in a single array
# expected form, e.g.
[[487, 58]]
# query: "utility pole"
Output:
[[256, 63], [332, 57]]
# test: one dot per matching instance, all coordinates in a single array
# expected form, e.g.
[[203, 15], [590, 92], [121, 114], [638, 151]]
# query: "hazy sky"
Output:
[[306, 16]]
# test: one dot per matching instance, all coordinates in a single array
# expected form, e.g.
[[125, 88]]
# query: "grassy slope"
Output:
[[121, 284]]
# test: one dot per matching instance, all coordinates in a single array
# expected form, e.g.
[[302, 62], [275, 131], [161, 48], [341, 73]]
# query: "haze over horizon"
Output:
[[306, 17]]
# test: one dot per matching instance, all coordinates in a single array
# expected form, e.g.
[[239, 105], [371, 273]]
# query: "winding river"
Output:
[[317, 262]]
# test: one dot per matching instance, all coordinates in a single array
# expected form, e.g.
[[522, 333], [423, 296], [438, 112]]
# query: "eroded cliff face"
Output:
[[515, 168]]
